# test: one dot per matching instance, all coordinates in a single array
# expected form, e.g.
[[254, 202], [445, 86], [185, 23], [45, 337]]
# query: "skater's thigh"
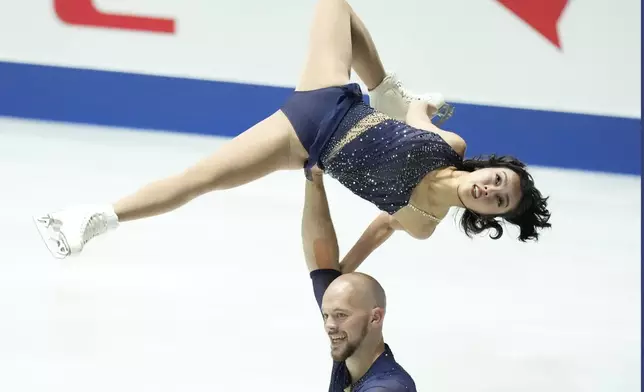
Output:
[[268, 146], [329, 57]]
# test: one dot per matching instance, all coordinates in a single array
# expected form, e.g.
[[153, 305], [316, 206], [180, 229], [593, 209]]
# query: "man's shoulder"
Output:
[[387, 375], [397, 380]]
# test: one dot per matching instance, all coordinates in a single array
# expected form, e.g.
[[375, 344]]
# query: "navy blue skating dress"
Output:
[[376, 157]]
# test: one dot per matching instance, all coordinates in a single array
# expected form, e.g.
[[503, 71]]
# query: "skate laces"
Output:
[[96, 224], [403, 91]]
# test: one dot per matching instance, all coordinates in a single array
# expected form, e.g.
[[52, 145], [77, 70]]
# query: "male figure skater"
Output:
[[353, 307]]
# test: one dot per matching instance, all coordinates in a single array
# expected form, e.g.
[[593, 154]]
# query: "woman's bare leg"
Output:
[[329, 58], [366, 60], [339, 41], [269, 146]]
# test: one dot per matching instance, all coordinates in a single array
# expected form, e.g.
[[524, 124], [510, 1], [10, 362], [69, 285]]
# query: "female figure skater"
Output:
[[391, 155]]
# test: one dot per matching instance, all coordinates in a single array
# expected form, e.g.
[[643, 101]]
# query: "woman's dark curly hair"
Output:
[[530, 214]]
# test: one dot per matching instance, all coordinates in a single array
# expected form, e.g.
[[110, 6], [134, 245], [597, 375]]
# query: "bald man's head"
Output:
[[353, 307], [362, 289]]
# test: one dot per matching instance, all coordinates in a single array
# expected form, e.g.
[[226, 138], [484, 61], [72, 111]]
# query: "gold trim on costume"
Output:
[[425, 214], [361, 126]]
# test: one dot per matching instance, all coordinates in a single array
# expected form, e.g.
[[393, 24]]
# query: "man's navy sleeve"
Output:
[[322, 278]]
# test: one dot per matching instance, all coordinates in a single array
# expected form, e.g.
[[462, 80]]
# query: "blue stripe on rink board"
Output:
[[555, 139]]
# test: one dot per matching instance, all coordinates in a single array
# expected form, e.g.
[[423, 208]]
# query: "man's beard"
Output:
[[351, 347]]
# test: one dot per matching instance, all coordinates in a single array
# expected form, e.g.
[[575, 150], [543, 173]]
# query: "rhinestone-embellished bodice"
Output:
[[381, 159]]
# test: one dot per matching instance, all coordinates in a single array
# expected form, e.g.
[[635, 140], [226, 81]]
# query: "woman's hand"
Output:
[[314, 174]]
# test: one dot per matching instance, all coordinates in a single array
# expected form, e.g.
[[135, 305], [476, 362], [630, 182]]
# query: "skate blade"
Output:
[[444, 114], [54, 242]]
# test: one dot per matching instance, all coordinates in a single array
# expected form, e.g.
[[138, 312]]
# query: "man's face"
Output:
[[345, 321]]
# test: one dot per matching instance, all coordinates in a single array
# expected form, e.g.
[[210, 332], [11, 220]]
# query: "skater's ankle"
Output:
[[374, 83]]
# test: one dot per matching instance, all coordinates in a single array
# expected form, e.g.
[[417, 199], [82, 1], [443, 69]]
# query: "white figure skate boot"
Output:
[[390, 97], [66, 232]]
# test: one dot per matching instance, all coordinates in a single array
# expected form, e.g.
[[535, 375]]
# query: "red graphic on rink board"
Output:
[[84, 13], [542, 15]]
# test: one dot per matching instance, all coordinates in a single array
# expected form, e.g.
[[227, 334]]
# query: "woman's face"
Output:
[[491, 191]]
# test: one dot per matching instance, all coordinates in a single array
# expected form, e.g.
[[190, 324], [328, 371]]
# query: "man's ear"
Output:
[[377, 316]]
